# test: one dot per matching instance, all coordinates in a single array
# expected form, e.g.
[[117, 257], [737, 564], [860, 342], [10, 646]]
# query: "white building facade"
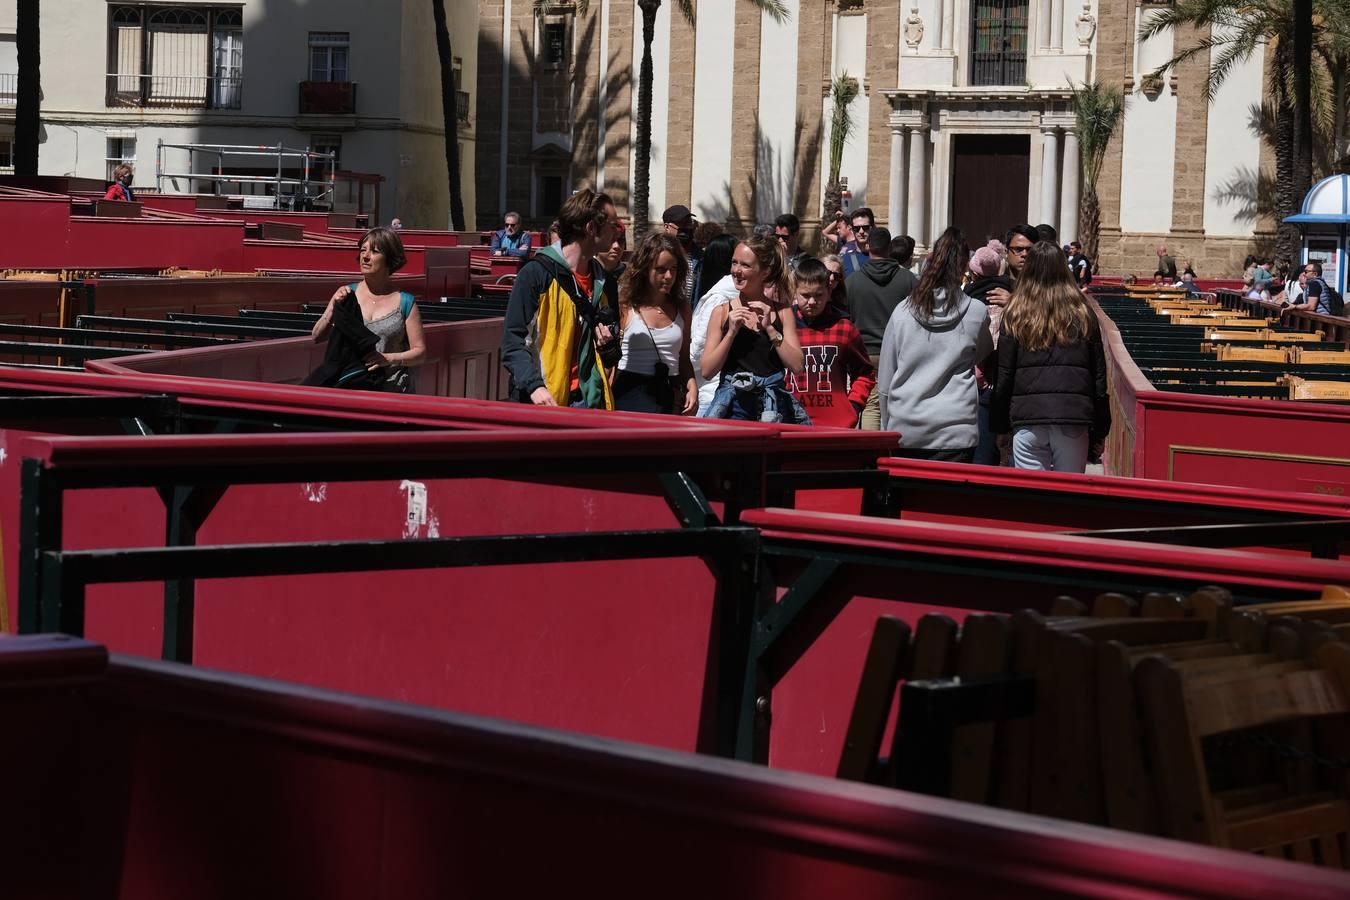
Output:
[[359, 80]]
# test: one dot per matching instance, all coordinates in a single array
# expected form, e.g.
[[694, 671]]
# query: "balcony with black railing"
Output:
[[327, 98], [462, 105], [175, 91], [9, 88]]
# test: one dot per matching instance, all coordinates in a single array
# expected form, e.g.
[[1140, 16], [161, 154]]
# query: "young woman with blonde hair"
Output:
[[655, 375], [1051, 388], [753, 338]]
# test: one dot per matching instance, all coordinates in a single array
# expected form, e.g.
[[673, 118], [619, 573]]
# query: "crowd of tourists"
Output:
[[987, 356]]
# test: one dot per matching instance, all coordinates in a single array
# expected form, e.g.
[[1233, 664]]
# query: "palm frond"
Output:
[[686, 8], [843, 91], [776, 9], [1098, 109]]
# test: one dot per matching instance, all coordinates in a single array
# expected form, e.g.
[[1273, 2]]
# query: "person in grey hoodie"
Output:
[[926, 374], [874, 291]]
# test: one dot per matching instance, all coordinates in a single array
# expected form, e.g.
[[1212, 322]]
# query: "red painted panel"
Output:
[[316, 257], [153, 243], [411, 237], [36, 232], [155, 781], [312, 223], [1280, 446]]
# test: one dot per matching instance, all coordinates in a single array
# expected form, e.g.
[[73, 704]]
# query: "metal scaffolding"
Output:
[[312, 190]]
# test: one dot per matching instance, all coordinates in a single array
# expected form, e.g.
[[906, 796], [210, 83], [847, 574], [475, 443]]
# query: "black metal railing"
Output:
[[9, 88], [175, 91], [462, 105]]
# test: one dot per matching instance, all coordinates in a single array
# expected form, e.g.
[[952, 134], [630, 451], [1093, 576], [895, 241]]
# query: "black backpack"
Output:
[[1335, 303]]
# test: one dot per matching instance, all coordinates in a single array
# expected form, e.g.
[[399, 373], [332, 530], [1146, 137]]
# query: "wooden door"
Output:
[[990, 179]]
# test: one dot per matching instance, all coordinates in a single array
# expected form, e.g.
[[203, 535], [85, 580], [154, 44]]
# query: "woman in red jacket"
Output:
[[120, 189]]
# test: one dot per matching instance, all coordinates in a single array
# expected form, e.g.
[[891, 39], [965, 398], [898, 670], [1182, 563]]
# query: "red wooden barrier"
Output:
[[1273, 445], [317, 256], [1055, 501], [411, 237], [151, 780]]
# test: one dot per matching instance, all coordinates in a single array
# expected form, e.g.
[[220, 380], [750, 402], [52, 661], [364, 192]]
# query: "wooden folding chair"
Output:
[[1181, 711]]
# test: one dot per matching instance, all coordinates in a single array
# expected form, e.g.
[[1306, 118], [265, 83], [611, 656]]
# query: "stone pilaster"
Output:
[[745, 103], [1188, 188], [621, 96], [680, 115], [883, 54], [813, 73]]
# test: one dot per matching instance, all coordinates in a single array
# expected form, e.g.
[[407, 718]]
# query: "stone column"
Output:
[[1049, 171], [1056, 24], [918, 183], [896, 192], [948, 22], [936, 23], [1068, 194], [1042, 41]]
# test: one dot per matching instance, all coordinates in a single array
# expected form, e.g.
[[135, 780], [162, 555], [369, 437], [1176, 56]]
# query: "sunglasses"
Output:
[[1020, 251]]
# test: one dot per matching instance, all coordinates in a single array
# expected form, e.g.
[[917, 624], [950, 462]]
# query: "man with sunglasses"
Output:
[[1018, 240], [856, 252], [511, 240]]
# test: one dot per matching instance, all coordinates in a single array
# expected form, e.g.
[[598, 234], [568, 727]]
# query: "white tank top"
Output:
[[643, 345]]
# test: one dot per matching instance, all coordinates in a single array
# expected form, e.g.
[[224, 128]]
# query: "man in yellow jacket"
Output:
[[561, 335]]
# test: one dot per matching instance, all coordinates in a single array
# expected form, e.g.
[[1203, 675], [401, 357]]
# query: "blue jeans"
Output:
[[751, 398]]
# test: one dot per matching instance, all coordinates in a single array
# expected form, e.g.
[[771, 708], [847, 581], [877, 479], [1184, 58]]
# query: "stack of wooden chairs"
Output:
[[1170, 715]]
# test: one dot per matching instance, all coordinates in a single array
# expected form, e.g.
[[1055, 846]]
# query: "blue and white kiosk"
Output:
[[1325, 223]]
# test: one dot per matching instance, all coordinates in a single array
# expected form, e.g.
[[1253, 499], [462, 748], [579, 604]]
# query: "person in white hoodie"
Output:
[[926, 371]]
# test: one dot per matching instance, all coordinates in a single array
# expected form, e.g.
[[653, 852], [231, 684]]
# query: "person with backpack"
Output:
[[560, 341], [1318, 296]]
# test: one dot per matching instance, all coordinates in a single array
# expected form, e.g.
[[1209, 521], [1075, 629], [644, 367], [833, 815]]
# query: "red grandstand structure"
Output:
[[270, 640]]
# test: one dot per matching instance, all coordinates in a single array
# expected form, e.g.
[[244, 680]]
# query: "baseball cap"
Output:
[[676, 215]]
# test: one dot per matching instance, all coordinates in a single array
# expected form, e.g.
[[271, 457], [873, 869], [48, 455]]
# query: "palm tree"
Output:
[[450, 115], [1299, 93], [843, 91], [28, 102], [1097, 110], [643, 158]]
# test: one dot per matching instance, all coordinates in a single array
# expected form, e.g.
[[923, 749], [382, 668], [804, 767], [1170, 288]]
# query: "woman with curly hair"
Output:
[[655, 375], [1051, 387]]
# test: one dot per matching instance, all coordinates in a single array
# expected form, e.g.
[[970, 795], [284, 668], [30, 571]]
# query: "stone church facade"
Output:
[[963, 117]]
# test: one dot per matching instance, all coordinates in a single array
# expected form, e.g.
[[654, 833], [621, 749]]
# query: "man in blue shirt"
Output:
[[856, 252], [511, 240]]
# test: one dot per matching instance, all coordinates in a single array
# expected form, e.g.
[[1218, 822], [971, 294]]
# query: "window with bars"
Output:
[[175, 57], [6, 153], [330, 56], [998, 42], [120, 150]]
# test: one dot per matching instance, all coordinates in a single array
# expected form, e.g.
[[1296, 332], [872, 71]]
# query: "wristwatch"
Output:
[[776, 339]]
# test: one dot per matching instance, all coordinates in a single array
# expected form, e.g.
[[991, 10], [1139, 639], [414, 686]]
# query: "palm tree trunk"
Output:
[[450, 115], [642, 161], [1090, 223], [28, 105], [1302, 124], [1287, 197]]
